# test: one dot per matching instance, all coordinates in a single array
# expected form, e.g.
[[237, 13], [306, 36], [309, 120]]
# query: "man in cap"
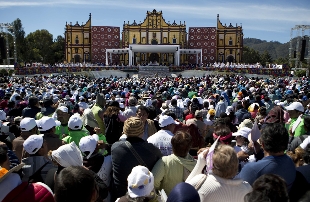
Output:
[[37, 148], [296, 125], [94, 160], [162, 139], [28, 126], [63, 116], [47, 126], [76, 131]]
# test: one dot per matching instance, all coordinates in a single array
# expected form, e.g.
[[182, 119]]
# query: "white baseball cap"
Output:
[[63, 109], [166, 120], [33, 143], [140, 182], [244, 132], [296, 106], [75, 122], [27, 124], [88, 144], [46, 123]]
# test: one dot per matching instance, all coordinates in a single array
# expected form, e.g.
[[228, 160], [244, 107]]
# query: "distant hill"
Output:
[[275, 48]]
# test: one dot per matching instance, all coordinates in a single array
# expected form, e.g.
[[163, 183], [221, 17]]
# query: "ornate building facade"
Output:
[[78, 42], [229, 42], [156, 31], [87, 43]]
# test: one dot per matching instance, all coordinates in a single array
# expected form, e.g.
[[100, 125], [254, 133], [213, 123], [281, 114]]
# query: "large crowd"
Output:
[[209, 139], [188, 65]]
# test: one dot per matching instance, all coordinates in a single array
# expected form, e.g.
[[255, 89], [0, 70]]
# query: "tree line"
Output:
[[38, 46]]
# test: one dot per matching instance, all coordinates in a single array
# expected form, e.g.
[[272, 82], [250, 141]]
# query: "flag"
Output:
[[209, 157]]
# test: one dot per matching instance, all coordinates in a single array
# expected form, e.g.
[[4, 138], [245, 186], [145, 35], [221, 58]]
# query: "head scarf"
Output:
[[276, 115]]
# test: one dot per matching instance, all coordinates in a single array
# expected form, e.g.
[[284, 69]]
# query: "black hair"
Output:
[[170, 113], [274, 137], [33, 101], [143, 108], [268, 188], [174, 102], [74, 183], [239, 106]]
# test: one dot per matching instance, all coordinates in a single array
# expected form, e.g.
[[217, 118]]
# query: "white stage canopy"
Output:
[[143, 48]]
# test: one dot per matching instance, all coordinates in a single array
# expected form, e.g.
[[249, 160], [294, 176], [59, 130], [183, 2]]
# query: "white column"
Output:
[[196, 58], [129, 57], [178, 57], [106, 58]]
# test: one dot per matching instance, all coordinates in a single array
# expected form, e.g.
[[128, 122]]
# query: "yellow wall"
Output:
[[229, 42], [154, 27], [83, 47]]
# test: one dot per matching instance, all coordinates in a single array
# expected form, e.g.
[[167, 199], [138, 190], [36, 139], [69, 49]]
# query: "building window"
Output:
[[230, 51], [230, 41], [174, 40], [76, 50], [77, 39]]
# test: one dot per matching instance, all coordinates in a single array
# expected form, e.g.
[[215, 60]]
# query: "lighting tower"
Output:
[[298, 33], [4, 29]]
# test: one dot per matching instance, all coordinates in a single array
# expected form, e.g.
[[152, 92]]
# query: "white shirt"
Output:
[[130, 111], [162, 140]]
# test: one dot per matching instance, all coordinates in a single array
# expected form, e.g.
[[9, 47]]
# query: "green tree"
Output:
[[281, 61], [250, 56], [40, 46], [265, 58], [21, 48], [58, 49]]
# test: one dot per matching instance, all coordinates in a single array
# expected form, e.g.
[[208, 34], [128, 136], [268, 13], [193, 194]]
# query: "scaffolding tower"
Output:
[[4, 29]]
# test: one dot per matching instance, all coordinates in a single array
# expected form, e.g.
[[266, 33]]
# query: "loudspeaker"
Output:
[[303, 50], [2, 48]]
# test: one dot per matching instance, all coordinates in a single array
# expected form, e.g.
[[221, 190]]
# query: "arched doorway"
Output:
[[154, 42], [230, 58], [154, 57], [77, 58]]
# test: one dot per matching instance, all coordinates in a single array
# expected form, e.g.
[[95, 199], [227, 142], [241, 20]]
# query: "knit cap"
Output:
[[133, 126]]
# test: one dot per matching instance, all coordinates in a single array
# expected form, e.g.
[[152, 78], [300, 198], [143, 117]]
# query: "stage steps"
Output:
[[151, 71]]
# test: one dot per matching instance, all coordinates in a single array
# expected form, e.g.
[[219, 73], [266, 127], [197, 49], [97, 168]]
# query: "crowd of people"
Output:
[[211, 138], [155, 63]]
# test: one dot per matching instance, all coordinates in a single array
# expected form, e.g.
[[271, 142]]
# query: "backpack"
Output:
[[114, 128]]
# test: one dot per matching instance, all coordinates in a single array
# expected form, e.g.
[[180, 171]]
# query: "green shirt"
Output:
[[75, 136], [103, 138], [300, 130], [60, 130]]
